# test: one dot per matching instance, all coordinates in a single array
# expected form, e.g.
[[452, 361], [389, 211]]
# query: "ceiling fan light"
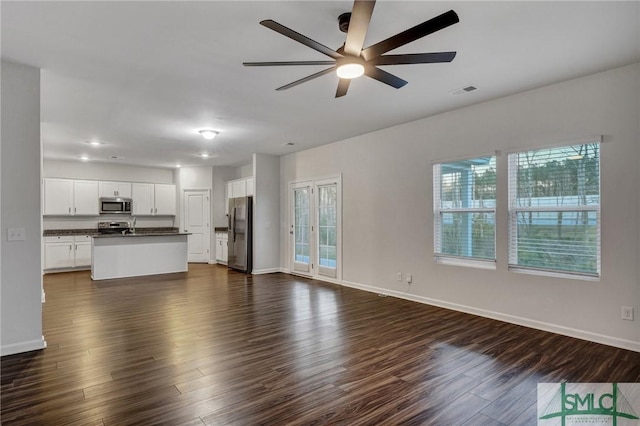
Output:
[[208, 134], [350, 70]]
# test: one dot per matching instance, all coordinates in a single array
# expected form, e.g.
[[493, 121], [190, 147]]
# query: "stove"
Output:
[[113, 227]]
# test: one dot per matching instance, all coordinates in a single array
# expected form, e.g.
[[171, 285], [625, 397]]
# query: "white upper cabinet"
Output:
[[239, 188], [85, 198], [58, 196], [65, 197], [115, 189], [150, 200], [142, 195], [250, 190], [165, 200]]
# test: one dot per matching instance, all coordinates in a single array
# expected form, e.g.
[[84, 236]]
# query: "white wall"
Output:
[[266, 214], [245, 171], [21, 280], [222, 174], [106, 172], [388, 207]]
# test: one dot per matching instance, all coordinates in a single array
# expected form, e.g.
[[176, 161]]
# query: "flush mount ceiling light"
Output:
[[208, 134], [204, 155], [94, 143], [85, 158]]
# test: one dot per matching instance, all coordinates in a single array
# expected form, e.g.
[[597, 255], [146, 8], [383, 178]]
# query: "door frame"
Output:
[[314, 272], [183, 207]]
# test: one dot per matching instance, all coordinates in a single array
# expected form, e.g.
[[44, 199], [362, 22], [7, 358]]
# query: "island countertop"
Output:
[[140, 234]]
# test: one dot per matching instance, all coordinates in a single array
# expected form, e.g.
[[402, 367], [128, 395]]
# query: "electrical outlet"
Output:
[[627, 313], [15, 234], [399, 276], [409, 278]]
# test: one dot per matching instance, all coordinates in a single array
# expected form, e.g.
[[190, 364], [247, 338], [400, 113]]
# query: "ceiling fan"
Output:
[[352, 60]]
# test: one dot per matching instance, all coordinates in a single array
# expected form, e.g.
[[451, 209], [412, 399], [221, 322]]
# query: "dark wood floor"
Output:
[[218, 348]]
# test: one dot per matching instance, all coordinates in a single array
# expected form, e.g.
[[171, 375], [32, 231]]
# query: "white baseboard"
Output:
[[16, 348], [213, 262], [265, 271], [526, 322]]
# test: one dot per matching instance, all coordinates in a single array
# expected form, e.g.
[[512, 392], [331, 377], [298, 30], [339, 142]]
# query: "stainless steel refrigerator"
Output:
[[241, 234]]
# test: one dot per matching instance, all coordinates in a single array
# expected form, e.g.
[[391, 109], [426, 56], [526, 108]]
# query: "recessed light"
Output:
[[94, 143], [85, 158], [208, 133], [178, 166], [204, 155]]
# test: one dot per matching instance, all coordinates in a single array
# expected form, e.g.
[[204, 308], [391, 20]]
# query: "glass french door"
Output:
[[327, 247], [301, 229], [315, 228]]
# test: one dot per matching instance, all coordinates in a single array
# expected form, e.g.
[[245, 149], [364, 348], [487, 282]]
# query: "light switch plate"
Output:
[[15, 234]]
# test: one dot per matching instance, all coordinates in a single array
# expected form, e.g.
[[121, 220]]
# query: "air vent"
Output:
[[463, 90]]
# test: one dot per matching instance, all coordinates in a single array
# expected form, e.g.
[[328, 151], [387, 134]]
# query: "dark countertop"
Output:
[[141, 234], [220, 229], [93, 232]]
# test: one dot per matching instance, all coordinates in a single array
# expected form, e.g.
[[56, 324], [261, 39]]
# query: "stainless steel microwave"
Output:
[[115, 205]]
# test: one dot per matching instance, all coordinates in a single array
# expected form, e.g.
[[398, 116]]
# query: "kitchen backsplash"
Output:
[[76, 222]]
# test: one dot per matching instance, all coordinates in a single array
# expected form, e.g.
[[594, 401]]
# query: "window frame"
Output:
[[450, 259], [514, 210]]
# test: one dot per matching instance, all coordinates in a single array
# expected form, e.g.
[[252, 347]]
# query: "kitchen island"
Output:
[[133, 255]]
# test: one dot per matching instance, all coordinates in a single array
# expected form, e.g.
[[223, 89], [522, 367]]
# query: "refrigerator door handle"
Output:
[[234, 224]]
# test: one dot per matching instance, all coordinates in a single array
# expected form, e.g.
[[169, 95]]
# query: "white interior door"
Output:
[[301, 228], [196, 222]]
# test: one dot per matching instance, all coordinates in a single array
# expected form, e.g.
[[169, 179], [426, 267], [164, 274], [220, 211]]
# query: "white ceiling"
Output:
[[143, 77]]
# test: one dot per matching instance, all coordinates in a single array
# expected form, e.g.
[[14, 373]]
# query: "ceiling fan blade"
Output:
[[277, 64], [384, 77], [307, 78], [414, 58], [343, 86], [412, 34], [358, 25], [288, 32]]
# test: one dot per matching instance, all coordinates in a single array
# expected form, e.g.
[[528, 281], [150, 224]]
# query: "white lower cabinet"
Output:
[[58, 252], [222, 248], [67, 252], [82, 249]]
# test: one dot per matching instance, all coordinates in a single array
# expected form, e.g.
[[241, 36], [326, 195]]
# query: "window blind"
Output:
[[464, 209], [554, 209]]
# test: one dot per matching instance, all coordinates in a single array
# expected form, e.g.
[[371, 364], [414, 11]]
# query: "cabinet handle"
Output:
[[76, 247], [70, 247], [75, 209], [151, 211], [69, 209], [156, 210]]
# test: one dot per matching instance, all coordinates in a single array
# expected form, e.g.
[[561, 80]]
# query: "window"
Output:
[[465, 211], [554, 209]]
